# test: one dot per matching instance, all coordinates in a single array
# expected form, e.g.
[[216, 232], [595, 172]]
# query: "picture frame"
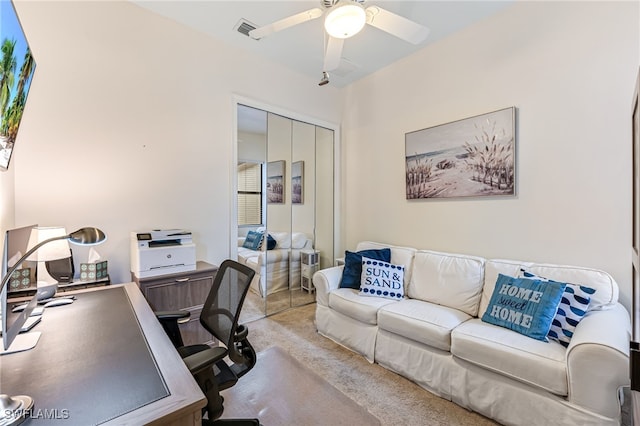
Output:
[[297, 182], [275, 182], [16, 49], [471, 157]]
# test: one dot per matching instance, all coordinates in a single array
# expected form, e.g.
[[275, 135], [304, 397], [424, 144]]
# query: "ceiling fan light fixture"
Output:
[[345, 19]]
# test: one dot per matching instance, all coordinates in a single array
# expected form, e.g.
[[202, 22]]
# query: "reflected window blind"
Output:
[[249, 194]]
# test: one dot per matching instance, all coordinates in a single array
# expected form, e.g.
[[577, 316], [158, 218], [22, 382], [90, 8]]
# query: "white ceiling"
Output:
[[301, 48]]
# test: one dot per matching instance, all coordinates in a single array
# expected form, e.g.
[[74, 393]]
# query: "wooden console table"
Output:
[[104, 359]]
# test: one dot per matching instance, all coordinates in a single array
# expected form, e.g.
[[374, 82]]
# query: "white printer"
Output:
[[162, 251]]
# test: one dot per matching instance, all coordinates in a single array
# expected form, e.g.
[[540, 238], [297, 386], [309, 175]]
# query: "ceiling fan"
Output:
[[344, 19]]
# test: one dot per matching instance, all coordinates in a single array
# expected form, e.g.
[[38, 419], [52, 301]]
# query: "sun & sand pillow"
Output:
[[382, 279]]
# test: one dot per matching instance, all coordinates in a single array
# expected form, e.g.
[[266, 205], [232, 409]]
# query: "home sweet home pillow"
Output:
[[381, 279], [524, 305]]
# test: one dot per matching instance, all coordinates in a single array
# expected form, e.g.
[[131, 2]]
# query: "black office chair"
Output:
[[219, 316]]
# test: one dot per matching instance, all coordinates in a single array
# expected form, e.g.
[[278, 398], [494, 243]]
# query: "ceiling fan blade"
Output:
[[333, 54], [396, 25], [285, 23]]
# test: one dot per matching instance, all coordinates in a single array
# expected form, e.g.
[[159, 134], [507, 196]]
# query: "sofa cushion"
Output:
[[605, 297], [423, 322], [352, 272], [298, 240], [452, 280], [245, 254], [399, 256], [381, 279], [253, 240], [512, 354], [524, 305], [286, 240], [348, 302], [573, 306]]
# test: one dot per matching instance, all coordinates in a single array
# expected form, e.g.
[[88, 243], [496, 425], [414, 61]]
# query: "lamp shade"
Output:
[[345, 19], [87, 236], [54, 250]]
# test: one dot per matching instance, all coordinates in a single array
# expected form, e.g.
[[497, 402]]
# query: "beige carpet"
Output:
[[389, 397], [282, 391]]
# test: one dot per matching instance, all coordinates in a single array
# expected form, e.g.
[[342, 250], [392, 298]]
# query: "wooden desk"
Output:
[[180, 399]]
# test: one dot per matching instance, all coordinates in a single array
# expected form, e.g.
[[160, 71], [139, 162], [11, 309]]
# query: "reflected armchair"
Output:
[[219, 316]]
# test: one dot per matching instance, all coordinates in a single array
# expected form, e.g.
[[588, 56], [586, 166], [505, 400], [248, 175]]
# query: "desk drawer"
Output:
[[180, 293]]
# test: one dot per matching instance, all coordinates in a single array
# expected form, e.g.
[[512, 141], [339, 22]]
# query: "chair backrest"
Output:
[[221, 310]]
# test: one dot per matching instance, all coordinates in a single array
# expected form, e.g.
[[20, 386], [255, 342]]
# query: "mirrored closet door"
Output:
[[285, 205]]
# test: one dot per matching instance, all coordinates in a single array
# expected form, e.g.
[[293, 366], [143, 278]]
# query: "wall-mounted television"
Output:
[[17, 67]]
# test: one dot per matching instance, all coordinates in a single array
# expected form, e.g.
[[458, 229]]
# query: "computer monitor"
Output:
[[16, 245]]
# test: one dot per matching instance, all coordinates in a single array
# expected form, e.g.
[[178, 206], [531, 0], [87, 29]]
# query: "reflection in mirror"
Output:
[[325, 190], [251, 173], [278, 212], [303, 213], [285, 203]]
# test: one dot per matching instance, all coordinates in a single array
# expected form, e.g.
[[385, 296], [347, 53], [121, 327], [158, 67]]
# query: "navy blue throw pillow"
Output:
[[353, 265], [271, 242]]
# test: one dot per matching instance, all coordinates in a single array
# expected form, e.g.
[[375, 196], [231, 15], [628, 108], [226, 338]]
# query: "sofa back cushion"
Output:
[[399, 256], [448, 279], [605, 296], [285, 240]]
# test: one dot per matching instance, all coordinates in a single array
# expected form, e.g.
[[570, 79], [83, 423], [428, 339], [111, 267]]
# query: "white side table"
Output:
[[309, 262]]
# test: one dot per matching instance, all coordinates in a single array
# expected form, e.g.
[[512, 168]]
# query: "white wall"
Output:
[[7, 203], [131, 121], [569, 68]]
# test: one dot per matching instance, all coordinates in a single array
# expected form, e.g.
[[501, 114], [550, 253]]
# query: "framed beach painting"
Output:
[[275, 182], [471, 157], [16, 73], [297, 182]]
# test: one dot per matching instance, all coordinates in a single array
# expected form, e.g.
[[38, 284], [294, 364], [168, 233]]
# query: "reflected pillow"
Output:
[[352, 272], [382, 279], [271, 242], [253, 240]]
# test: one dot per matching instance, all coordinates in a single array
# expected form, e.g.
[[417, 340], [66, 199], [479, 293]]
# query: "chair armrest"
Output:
[[326, 280], [598, 360], [202, 360], [173, 315]]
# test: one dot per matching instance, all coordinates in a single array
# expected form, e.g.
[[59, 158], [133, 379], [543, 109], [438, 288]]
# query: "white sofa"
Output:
[[435, 337], [275, 268]]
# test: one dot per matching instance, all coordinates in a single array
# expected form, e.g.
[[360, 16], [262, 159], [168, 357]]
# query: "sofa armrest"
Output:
[[599, 347], [241, 241], [326, 280]]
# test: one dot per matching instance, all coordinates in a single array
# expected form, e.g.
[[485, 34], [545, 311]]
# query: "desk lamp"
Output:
[[13, 410], [58, 249]]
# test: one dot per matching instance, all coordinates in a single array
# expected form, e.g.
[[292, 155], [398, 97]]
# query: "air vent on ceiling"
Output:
[[243, 27]]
